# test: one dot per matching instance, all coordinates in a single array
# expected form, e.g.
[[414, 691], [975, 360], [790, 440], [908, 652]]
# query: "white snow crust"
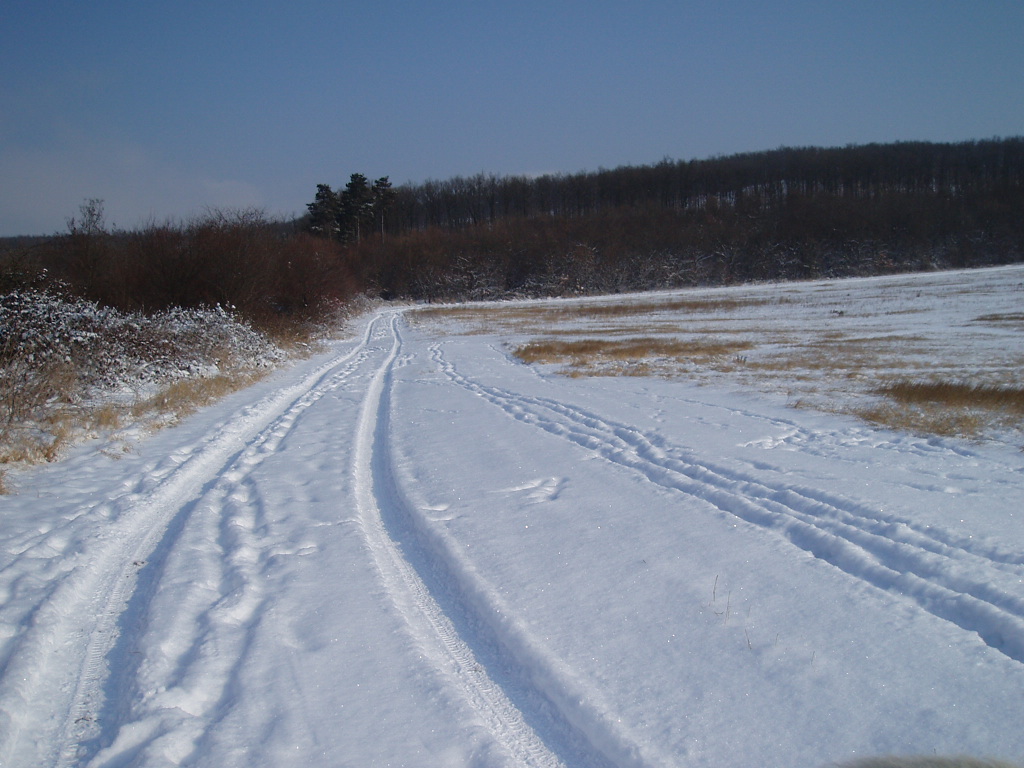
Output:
[[414, 550]]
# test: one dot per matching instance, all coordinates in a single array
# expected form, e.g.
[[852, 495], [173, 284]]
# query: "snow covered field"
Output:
[[416, 550]]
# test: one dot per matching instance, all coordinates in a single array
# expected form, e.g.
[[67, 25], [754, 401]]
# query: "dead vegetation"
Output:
[[839, 357], [947, 408], [632, 357], [956, 395], [1013, 319], [548, 316], [929, 420], [45, 433], [185, 396], [70, 368]]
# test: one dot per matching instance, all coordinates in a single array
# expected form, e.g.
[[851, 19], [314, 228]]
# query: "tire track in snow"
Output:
[[460, 622], [953, 579], [375, 494], [79, 618]]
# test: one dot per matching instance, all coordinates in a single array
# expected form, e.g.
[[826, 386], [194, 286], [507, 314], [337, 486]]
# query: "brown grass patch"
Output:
[[1004, 318], [932, 420], [956, 395], [44, 439], [832, 366], [694, 306], [581, 354], [876, 341], [41, 442], [542, 317], [106, 417], [952, 409], [186, 396]]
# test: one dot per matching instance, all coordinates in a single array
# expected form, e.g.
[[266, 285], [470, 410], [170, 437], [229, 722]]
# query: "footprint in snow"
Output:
[[439, 512], [540, 490]]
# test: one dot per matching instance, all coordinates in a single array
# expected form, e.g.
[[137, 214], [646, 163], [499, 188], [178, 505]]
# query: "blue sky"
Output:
[[164, 110]]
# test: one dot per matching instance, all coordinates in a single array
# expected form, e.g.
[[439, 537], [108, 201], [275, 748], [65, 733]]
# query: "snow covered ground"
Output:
[[414, 550]]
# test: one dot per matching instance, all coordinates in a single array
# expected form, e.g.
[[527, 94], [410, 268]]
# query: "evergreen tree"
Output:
[[383, 197], [356, 208], [325, 213]]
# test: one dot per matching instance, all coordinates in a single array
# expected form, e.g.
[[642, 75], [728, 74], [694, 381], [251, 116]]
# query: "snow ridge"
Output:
[[959, 581]]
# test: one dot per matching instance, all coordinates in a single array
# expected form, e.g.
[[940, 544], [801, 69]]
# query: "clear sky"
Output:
[[166, 109]]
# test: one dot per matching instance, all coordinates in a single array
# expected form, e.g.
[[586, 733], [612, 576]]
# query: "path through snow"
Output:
[[413, 551]]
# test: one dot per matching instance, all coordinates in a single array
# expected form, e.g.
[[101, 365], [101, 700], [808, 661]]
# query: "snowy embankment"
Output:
[[69, 367], [415, 550]]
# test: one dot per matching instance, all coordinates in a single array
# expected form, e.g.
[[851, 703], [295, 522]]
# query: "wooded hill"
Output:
[[782, 214], [789, 213]]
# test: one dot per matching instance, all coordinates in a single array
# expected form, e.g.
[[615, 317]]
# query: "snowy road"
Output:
[[413, 550]]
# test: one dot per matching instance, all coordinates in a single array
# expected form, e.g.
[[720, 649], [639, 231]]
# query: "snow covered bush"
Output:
[[58, 352]]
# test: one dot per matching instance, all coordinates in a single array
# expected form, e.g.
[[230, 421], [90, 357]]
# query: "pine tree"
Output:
[[383, 197], [325, 213], [356, 207]]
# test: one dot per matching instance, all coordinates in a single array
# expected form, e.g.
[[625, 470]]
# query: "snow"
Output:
[[414, 550], [125, 349]]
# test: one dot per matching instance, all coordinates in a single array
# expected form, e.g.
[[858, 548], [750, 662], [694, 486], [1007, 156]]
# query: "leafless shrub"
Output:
[[269, 275], [59, 355], [193, 310]]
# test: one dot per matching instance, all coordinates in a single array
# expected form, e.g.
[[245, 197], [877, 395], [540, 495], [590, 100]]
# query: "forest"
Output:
[[789, 213]]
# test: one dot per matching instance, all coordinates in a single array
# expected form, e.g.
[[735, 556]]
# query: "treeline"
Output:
[[783, 214], [269, 273], [754, 182]]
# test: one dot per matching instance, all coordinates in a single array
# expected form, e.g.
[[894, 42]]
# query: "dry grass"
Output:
[[956, 395], [634, 356], [107, 417], [1004, 318], [46, 437], [843, 361], [930, 420], [677, 305], [66, 363], [185, 396], [37, 442], [841, 365], [824, 371], [947, 408], [35, 411], [546, 317], [25, 387]]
